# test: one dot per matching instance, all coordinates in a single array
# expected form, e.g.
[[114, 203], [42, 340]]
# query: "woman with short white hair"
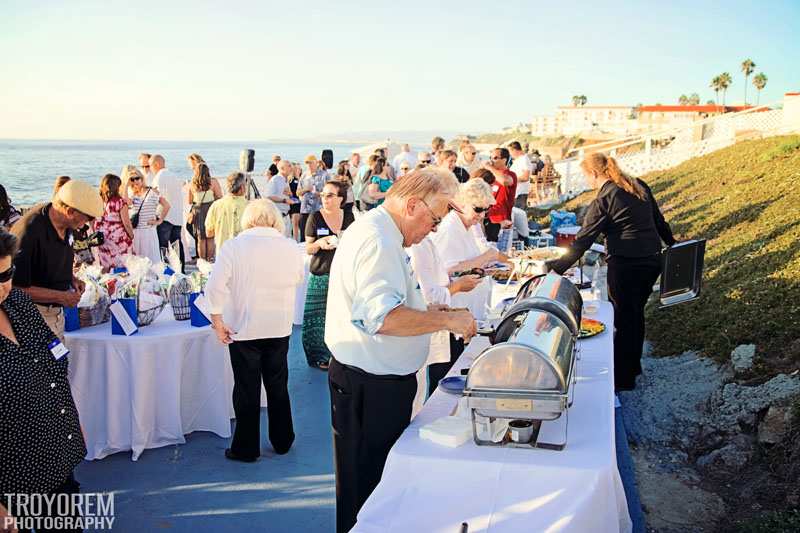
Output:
[[251, 299]]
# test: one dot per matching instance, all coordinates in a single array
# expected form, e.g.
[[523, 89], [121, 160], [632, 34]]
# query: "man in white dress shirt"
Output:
[[405, 156], [378, 330], [522, 167], [170, 187]]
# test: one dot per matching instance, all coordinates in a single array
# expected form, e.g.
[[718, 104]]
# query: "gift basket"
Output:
[[94, 302], [142, 282], [179, 286]]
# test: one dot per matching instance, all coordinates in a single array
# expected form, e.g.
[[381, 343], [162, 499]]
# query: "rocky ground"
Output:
[[704, 438]]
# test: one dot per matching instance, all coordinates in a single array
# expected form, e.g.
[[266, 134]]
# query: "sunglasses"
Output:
[[471, 153], [480, 210], [136, 178], [6, 275], [426, 161]]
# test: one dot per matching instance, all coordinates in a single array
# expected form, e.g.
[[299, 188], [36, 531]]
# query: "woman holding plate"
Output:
[[322, 235]]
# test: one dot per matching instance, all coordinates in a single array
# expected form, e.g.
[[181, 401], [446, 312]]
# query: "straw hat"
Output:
[[81, 196], [309, 158]]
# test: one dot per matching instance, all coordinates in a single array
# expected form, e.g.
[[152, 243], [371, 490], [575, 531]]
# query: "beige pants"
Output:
[[54, 316]]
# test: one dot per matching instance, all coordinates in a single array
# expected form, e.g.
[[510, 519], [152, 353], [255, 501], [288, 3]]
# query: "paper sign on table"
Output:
[[200, 315], [122, 318]]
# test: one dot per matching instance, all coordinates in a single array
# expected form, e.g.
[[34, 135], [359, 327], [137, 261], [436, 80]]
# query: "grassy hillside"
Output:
[[745, 200]]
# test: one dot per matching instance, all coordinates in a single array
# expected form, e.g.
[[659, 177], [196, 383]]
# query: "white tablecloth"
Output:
[[431, 488], [150, 389]]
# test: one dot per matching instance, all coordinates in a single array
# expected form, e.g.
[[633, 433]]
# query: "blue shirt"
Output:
[[370, 276]]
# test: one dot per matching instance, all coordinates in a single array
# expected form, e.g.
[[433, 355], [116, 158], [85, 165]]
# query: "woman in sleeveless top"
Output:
[[115, 224], [144, 207], [203, 190]]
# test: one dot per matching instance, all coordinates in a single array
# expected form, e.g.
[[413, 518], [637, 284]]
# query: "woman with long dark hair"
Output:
[[343, 176], [626, 212], [202, 192], [8, 213], [115, 224]]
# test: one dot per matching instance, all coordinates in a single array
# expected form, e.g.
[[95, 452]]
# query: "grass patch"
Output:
[[771, 522], [748, 208]]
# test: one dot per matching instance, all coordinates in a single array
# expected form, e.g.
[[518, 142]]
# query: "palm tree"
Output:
[[694, 99], [725, 82], [716, 84], [760, 81], [683, 100], [747, 68], [710, 102], [576, 101], [583, 99]]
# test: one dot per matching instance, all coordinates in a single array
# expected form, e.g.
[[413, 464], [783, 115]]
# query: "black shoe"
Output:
[[320, 365], [234, 457]]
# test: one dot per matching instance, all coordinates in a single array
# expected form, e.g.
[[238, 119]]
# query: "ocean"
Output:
[[29, 168]]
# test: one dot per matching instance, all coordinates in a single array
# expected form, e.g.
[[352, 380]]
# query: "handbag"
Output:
[[135, 218]]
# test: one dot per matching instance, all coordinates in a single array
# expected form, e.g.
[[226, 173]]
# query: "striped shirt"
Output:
[[149, 211]]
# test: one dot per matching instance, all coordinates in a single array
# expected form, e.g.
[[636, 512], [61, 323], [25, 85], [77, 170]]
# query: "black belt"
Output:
[[387, 377]]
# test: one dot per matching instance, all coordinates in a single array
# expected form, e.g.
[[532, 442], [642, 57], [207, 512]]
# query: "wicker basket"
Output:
[[179, 299], [147, 316], [97, 314]]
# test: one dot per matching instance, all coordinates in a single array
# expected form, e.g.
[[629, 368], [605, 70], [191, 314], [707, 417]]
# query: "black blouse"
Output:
[[632, 227], [317, 228], [40, 433]]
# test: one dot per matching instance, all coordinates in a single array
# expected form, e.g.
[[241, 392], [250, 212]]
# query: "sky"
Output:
[[236, 70]]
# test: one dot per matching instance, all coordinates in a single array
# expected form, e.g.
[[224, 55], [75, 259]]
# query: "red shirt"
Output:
[[504, 196]]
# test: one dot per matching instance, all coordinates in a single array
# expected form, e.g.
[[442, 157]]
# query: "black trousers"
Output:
[[70, 486], [252, 362], [368, 414], [437, 371], [303, 221], [630, 283], [169, 233], [492, 230]]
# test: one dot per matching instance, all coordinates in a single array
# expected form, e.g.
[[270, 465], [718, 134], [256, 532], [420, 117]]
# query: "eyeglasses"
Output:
[[329, 195], [436, 220], [471, 153], [480, 210], [6, 275], [145, 166]]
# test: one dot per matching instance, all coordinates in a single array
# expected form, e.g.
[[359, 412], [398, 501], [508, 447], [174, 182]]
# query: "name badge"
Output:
[[495, 188], [58, 349], [322, 232]]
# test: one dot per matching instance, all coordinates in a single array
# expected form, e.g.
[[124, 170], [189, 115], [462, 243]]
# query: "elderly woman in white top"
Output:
[[251, 298], [437, 289], [457, 246]]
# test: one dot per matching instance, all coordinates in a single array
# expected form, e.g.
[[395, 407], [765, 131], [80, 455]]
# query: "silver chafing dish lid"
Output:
[[554, 294]]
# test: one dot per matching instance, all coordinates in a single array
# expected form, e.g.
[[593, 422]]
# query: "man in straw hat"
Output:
[[43, 267], [378, 330]]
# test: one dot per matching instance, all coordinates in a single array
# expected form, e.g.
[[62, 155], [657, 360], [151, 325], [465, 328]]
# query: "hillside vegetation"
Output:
[[745, 200]]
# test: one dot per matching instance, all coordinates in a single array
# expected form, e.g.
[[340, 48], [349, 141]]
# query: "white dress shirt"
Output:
[[454, 244], [480, 238], [520, 165], [404, 157], [253, 284], [370, 276], [170, 187]]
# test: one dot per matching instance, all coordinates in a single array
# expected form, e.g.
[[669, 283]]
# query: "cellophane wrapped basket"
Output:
[[93, 307]]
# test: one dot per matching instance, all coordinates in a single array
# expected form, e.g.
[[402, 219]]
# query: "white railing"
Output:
[[638, 155]]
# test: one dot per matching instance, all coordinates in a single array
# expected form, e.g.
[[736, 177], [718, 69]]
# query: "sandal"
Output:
[[321, 365]]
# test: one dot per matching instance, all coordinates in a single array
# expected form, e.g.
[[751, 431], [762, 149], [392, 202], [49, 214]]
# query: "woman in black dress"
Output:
[[294, 208], [626, 212]]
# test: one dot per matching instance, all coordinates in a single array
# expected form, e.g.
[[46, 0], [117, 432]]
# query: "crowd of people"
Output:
[[393, 295]]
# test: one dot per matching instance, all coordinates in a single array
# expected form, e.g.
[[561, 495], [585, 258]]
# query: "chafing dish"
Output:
[[529, 374], [554, 294]]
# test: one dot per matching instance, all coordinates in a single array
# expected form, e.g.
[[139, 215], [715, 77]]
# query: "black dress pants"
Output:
[[169, 233], [437, 371], [303, 222], [630, 283], [492, 230], [368, 414], [253, 361]]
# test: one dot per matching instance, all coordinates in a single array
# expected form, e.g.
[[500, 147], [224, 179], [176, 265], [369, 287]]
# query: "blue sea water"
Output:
[[29, 168]]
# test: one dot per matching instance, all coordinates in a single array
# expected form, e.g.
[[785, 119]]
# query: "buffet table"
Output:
[[432, 488], [150, 389]]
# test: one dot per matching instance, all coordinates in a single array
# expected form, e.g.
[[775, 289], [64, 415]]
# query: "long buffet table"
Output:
[[432, 488]]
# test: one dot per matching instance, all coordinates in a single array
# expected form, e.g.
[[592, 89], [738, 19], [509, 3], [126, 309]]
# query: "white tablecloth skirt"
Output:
[[150, 389], [432, 488]]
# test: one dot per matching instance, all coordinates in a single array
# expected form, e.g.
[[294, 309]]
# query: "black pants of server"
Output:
[[437, 371], [492, 230], [253, 361], [368, 414], [630, 283]]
